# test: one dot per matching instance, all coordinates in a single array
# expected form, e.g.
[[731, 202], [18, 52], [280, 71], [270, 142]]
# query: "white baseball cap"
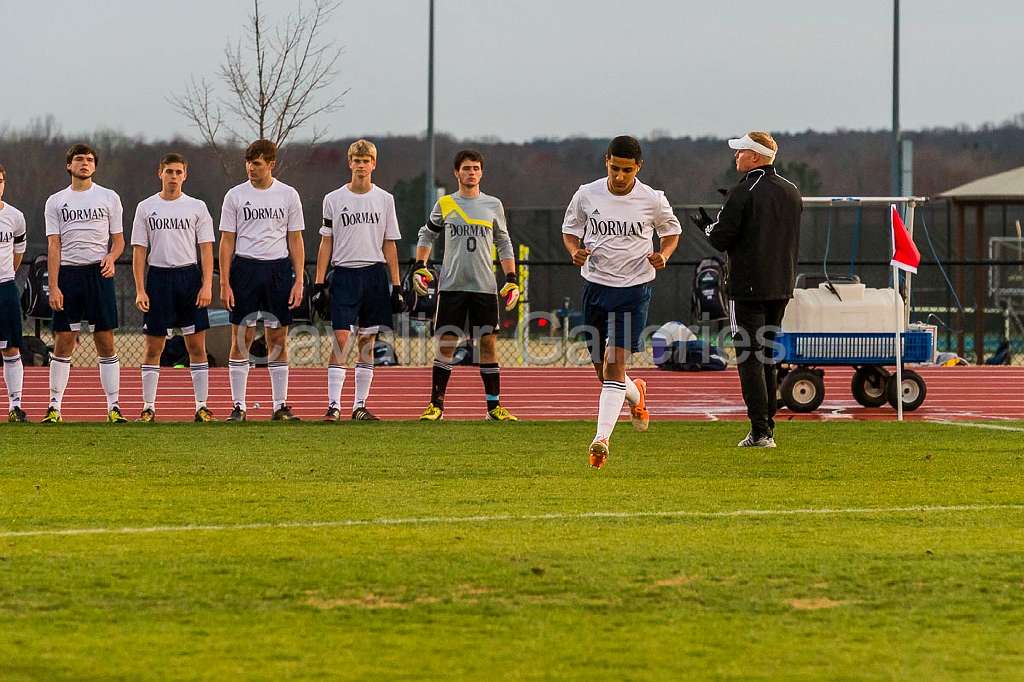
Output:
[[746, 143]]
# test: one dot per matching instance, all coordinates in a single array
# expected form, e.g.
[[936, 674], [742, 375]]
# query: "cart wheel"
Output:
[[779, 378], [914, 390], [869, 386], [803, 390]]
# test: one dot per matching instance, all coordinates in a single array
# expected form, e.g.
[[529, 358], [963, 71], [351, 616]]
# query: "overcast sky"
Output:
[[521, 69]]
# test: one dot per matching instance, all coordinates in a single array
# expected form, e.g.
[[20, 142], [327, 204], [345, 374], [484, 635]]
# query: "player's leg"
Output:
[[280, 287], [366, 338], [199, 369], [66, 325], [336, 372], [449, 322], [374, 312], [484, 316], [101, 311], [773, 314], [10, 348], [247, 285], [150, 374]]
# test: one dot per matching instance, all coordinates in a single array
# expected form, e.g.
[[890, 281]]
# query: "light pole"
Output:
[[897, 185], [429, 182]]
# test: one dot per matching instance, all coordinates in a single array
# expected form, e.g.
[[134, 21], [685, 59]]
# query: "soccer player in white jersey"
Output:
[[178, 287], [608, 231], [84, 236], [261, 259], [358, 236], [12, 250]]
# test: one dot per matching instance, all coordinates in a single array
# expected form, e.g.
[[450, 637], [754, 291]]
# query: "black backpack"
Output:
[[35, 299], [420, 307], [709, 299]]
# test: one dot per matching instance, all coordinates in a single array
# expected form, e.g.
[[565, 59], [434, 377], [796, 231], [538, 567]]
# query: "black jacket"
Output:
[[759, 227]]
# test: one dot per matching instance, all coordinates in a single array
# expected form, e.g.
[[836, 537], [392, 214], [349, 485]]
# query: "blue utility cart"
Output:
[[801, 379]]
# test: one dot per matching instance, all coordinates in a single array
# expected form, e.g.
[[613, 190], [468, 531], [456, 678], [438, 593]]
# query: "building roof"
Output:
[[1007, 186]]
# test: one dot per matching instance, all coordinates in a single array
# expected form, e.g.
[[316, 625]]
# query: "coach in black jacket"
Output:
[[759, 227]]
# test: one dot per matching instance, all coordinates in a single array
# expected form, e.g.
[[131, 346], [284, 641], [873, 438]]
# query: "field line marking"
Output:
[[499, 518], [973, 425]]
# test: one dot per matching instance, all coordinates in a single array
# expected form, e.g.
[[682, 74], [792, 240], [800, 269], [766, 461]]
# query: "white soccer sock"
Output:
[[14, 378], [150, 378], [238, 373], [110, 379], [200, 382], [278, 383], [335, 382], [613, 393], [60, 370], [632, 392], [364, 377]]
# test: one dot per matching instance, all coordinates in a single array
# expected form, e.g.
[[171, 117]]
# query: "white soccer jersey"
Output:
[[84, 221], [619, 231], [171, 230], [261, 219], [359, 224], [12, 240]]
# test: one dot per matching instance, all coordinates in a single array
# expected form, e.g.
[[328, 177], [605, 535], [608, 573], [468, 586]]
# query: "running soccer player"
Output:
[[473, 224], [84, 240], [358, 237], [12, 250], [261, 259], [608, 231], [175, 292]]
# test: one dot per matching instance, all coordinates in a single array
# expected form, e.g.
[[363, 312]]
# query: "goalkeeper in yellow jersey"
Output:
[[468, 299]]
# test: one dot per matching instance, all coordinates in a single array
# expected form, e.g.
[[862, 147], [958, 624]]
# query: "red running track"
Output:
[[530, 393]]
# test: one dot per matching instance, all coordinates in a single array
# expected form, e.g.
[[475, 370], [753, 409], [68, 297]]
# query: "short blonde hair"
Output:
[[363, 148], [761, 137]]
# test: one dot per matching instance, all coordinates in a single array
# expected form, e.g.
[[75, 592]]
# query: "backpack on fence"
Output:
[[35, 299], [709, 299], [420, 307]]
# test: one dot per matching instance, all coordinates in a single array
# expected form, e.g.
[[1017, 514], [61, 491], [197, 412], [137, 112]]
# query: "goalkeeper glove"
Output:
[[397, 300], [702, 221], [421, 278], [510, 292], [320, 301]]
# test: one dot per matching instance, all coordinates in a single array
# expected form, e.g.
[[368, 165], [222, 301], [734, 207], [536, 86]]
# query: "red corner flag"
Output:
[[905, 255]]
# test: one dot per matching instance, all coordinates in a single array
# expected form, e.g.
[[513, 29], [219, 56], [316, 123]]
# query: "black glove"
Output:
[[703, 220], [320, 301], [397, 299]]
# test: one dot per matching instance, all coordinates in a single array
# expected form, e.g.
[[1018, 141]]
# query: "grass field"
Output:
[[474, 550]]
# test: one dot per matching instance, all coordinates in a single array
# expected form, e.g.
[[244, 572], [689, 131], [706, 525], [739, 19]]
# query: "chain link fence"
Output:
[[841, 240]]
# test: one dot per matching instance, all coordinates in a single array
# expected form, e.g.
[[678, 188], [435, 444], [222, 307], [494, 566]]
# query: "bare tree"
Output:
[[278, 79]]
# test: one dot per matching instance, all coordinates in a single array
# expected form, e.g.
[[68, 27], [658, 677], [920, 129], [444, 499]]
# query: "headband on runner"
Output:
[[746, 143]]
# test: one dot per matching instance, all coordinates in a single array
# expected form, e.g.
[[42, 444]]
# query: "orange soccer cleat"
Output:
[[638, 413], [598, 452]]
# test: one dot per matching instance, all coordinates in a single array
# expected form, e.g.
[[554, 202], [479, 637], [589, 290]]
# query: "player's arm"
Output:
[[53, 253], [53, 270], [323, 258], [297, 253], [226, 254], [116, 239], [390, 245], [139, 273], [667, 226], [506, 256], [421, 276], [573, 227], [19, 246], [205, 296]]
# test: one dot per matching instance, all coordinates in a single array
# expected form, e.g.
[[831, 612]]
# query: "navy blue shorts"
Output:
[[172, 301], [360, 297], [10, 316], [88, 296], [261, 289], [615, 316]]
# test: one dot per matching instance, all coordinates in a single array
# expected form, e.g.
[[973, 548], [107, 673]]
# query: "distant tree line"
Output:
[[541, 173]]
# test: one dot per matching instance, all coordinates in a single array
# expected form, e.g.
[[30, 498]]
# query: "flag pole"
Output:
[[898, 308]]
